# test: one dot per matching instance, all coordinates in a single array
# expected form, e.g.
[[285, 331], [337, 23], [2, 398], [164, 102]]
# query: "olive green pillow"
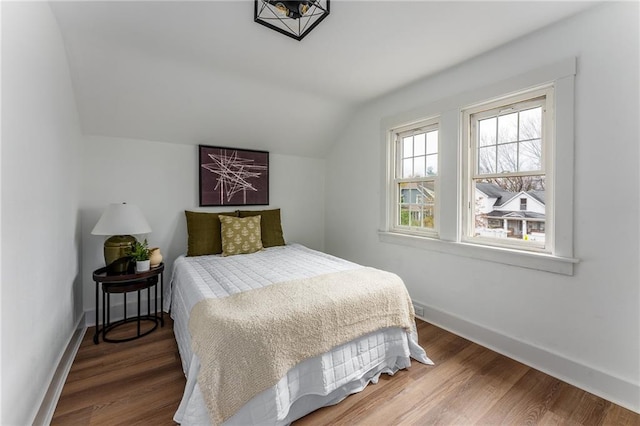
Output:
[[203, 232], [240, 235], [269, 224]]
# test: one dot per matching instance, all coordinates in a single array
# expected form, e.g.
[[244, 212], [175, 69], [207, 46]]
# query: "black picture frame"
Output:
[[233, 176]]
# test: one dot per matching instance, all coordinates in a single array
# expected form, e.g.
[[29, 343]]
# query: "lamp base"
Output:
[[115, 252]]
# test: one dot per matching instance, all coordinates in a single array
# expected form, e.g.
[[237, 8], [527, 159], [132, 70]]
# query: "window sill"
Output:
[[531, 260]]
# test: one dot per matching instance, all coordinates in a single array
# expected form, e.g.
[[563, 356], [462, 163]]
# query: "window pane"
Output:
[[419, 169], [432, 164], [523, 203], [407, 147], [498, 208], [407, 167], [516, 184], [530, 157], [432, 142], [417, 204], [531, 124], [418, 145], [487, 132], [403, 215], [508, 128], [487, 160], [507, 158]]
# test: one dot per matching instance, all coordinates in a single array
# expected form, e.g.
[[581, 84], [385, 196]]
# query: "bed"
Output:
[[314, 382]]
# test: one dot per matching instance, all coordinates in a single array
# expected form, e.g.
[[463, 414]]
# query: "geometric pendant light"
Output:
[[291, 18]]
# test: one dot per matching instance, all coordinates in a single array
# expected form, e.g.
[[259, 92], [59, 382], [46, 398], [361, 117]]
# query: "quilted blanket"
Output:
[[246, 342]]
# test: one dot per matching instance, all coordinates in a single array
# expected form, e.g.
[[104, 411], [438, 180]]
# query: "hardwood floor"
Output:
[[136, 382], [141, 382]]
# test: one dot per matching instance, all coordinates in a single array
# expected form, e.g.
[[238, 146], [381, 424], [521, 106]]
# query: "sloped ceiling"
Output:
[[203, 72]]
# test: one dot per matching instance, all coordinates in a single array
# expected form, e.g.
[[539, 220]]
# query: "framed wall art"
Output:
[[233, 177]]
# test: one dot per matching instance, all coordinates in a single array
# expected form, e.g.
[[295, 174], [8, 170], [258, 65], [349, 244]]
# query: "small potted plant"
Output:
[[140, 253]]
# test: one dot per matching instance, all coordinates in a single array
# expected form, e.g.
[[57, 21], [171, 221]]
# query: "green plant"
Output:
[[139, 251]]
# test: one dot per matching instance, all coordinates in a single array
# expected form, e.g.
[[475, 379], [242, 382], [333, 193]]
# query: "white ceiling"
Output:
[[203, 72]]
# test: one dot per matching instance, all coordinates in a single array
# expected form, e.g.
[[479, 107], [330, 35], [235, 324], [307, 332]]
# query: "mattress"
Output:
[[315, 382]]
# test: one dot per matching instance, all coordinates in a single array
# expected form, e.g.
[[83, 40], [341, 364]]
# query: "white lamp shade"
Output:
[[121, 219]]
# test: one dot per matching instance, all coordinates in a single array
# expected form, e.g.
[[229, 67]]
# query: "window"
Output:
[[507, 174], [415, 178], [500, 186]]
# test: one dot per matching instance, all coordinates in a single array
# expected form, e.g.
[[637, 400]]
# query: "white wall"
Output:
[[162, 179], [584, 329], [41, 286]]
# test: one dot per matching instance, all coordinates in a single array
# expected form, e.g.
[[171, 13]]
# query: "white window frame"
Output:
[[451, 149], [395, 137], [470, 159]]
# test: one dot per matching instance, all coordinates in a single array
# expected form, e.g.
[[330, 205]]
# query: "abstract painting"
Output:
[[233, 177]]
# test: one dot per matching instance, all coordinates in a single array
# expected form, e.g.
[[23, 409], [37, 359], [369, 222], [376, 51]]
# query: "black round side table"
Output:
[[123, 283]]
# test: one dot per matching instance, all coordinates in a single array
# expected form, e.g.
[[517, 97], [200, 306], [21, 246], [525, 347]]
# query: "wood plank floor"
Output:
[[136, 382], [141, 382]]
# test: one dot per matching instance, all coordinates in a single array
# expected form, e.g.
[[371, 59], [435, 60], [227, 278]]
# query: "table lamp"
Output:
[[120, 221]]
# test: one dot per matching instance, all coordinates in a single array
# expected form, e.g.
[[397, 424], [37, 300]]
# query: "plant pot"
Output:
[[155, 257], [142, 265]]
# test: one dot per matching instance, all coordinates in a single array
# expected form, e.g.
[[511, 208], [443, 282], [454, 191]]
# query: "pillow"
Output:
[[270, 225], [240, 235], [203, 232]]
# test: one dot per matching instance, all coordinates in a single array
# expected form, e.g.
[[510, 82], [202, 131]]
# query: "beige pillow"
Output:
[[240, 235]]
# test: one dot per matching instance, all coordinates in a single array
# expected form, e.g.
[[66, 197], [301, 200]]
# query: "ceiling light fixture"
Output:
[[291, 18]]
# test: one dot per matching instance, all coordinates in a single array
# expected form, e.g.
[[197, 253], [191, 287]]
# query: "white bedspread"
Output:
[[316, 382]]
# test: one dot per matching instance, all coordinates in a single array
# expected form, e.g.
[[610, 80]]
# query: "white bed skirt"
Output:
[[316, 382]]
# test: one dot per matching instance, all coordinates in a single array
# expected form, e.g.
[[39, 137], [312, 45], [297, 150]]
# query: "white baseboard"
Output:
[[50, 401], [604, 385]]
